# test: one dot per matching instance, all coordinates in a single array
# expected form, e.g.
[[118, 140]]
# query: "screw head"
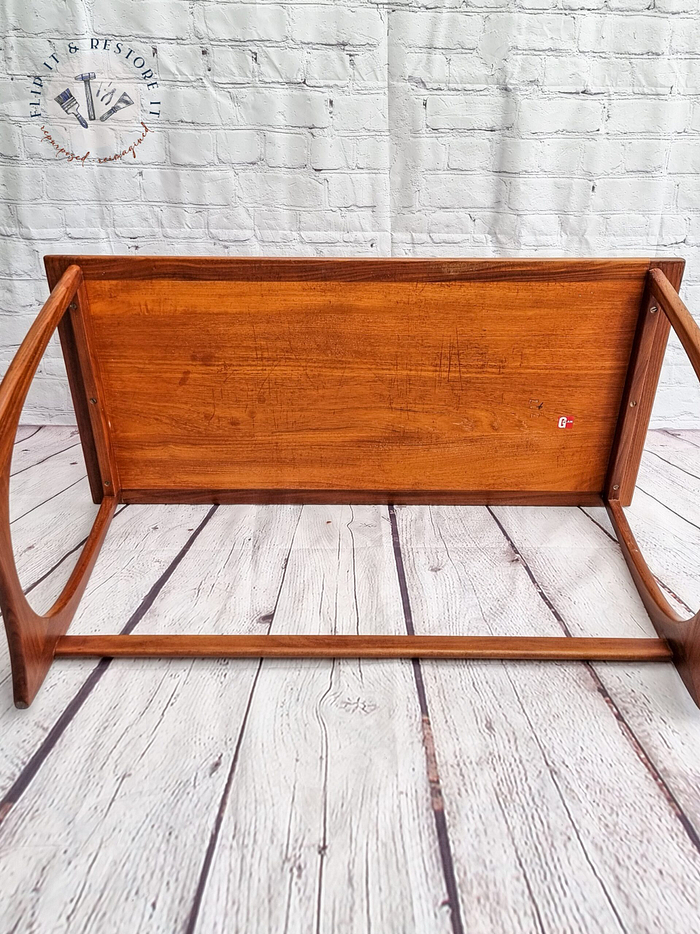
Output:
[[93, 400], [632, 404], [616, 486], [72, 306], [108, 483], [653, 310]]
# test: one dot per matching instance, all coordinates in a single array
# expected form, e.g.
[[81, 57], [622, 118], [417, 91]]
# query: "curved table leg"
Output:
[[683, 635], [32, 637]]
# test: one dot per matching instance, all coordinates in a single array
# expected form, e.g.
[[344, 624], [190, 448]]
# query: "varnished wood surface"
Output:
[[376, 497], [223, 795], [681, 319], [417, 386], [495, 647], [307, 340], [89, 393], [300, 401], [31, 636], [638, 398], [79, 395], [683, 634], [435, 376], [282, 269]]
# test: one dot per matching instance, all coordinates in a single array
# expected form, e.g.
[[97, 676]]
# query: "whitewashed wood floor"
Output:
[[346, 796]]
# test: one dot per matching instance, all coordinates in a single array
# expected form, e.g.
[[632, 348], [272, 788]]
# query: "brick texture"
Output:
[[416, 128]]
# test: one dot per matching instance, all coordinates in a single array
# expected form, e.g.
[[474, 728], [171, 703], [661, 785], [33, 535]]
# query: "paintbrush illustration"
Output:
[[124, 101], [70, 105]]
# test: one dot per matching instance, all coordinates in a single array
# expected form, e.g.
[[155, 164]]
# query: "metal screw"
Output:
[[108, 483], [632, 404], [616, 487], [653, 310], [72, 306], [94, 401]]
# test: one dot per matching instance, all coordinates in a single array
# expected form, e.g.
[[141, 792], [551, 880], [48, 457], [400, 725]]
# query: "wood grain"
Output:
[[580, 568], [52, 509], [283, 269], [314, 386], [677, 313], [142, 543], [683, 634], [331, 772], [527, 798], [670, 471], [50, 529], [31, 488], [170, 740], [89, 394], [31, 637], [363, 497], [41, 445], [26, 431], [77, 360], [640, 390], [460, 410], [652, 330], [335, 646], [329, 767]]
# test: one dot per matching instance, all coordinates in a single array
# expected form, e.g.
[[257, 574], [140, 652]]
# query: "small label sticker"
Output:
[[566, 421]]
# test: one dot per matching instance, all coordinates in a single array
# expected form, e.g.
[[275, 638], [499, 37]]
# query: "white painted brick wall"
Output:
[[419, 127]]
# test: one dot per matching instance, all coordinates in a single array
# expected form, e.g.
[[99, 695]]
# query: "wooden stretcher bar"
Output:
[[490, 647]]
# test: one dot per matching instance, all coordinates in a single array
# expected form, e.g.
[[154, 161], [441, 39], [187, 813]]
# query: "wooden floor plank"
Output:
[[670, 471], [45, 535], [582, 572], [689, 435], [51, 508], [600, 517], [26, 431], [40, 446], [295, 793], [120, 845], [669, 541], [35, 486], [328, 825], [140, 544], [535, 795], [668, 484], [665, 514], [681, 449]]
